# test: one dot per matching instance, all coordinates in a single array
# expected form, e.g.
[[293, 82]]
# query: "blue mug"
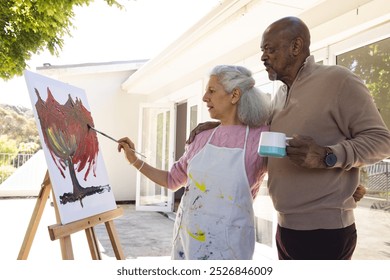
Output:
[[272, 144]]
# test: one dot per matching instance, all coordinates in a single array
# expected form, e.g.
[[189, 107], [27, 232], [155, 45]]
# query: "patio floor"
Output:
[[148, 234]]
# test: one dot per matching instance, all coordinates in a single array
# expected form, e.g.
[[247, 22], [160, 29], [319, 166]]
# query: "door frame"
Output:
[[166, 206]]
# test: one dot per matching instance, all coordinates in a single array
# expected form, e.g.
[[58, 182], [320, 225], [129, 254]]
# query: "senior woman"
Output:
[[220, 171]]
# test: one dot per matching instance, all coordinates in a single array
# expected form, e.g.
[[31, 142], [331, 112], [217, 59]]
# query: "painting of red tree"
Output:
[[74, 159], [72, 145]]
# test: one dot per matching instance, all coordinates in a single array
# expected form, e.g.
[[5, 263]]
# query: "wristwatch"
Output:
[[330, 158]]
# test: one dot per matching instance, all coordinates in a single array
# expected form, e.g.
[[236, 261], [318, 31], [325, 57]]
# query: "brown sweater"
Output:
[[332, 105]]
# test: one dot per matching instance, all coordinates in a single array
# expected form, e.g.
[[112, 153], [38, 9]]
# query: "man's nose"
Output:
[[263, 57]]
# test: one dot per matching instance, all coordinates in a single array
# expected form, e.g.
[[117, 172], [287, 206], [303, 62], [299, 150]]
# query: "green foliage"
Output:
[[8, 146], [6, 171], [28, 148], [29, 27], [18, 129], [18, 135]]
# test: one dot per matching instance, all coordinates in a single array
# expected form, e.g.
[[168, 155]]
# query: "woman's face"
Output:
[[218, 101]]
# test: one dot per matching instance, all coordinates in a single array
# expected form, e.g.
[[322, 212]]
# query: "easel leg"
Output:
[[35, 218], [66, 241], [114, 240], [93, 244], [66, 248], [60, 231]]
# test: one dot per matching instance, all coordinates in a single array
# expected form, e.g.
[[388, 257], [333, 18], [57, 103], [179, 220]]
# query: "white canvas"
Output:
[[62, 125]]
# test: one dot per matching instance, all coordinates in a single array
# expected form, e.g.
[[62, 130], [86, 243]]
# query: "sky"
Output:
[[103, 34]]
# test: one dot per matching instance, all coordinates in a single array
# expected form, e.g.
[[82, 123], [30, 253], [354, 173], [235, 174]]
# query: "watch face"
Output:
[[330, 160]]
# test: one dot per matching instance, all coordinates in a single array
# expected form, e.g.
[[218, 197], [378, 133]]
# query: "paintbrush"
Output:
[[113, 139]]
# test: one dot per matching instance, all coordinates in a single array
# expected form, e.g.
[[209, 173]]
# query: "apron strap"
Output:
[[211, 136], [246, 136]]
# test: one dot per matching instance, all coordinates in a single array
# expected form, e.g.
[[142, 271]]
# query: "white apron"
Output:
[[215, 219]]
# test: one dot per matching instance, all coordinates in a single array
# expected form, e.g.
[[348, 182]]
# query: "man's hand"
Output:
[[199, 128], [359, 193], [305, 152]]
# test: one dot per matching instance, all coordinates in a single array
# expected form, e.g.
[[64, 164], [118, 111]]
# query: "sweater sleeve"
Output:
[[369, 138], [256, 166]]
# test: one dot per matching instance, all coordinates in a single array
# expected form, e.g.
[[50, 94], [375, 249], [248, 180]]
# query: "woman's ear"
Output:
[[236, 95]]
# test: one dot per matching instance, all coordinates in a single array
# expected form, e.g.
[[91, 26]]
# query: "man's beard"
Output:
[[272, 75]]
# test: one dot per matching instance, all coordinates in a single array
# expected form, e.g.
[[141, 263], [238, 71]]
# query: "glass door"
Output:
[[193, 113], [157, 143]]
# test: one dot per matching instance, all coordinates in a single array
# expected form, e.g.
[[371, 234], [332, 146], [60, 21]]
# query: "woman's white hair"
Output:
[[254, 106]]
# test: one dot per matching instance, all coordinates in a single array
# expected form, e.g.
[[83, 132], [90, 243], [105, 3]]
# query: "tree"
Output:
[[20, 127], [29, 26], [7, 146], [8, 150], [70, 143]]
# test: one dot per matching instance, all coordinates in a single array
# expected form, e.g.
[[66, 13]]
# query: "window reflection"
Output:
[[372, 64]]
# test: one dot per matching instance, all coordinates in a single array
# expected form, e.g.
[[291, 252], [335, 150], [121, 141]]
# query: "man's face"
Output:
[[277, 55]]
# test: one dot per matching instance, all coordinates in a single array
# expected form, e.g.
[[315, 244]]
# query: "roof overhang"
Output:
[[90, 68], [230, 33]]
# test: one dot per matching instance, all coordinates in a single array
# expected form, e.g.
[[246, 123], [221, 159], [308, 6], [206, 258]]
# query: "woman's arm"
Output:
[[158, 176]]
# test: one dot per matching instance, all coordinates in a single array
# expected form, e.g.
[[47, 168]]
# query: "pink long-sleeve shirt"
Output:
[[231, 136]]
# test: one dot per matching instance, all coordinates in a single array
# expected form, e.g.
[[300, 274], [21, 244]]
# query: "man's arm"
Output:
[[199, 128]]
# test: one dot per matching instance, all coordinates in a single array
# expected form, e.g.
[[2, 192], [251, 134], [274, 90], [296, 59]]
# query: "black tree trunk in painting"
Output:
[[78, 191]]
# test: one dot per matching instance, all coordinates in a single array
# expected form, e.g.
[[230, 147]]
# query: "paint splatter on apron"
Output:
[[215, 219]]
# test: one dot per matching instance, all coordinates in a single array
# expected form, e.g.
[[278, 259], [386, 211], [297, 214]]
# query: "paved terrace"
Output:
[[148, 234]]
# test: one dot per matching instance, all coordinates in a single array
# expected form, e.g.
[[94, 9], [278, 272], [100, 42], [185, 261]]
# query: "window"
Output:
[[372, 64], [155, 124], [193, 116]]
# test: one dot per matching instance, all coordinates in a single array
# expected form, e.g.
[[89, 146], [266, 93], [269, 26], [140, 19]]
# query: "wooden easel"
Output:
[[63, 232]]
